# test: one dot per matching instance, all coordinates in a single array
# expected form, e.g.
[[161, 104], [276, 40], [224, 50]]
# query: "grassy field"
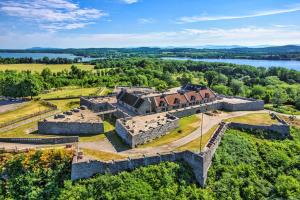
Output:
[[24, 131], [186, 126], [285, 109], [29, 131], [66, 104], [195, 144], [27, 109], [40, 67], [101, 155], [255, 119], [73, 92]]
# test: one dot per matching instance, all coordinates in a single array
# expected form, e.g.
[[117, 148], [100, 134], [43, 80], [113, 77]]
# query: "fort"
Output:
[[143, 114]]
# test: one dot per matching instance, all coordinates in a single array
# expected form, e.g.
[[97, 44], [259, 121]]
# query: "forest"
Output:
[[288, 52], [246, 166], [273, 85]]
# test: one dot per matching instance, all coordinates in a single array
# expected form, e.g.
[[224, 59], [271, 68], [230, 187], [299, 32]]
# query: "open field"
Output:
[[40, 67], [26, 109], [186, 126], [73, 92], [24, 131], [66, 104], [195, 144], [101, 155], [255, 119]]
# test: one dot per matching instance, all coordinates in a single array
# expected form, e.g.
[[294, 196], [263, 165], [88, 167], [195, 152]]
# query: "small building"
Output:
[[80, 121], [142, 129]]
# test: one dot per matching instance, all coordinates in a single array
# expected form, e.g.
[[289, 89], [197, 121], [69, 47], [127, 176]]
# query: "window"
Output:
[[176, 101], [207, 95], [193, 98], [161, 104]]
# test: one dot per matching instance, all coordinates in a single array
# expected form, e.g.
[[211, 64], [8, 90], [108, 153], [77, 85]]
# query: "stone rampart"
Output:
[[56, 140], [86, 169], [70, 128]]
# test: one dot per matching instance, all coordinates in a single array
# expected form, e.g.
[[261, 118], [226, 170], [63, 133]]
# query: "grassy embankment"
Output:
[[285, 109], [254, 119], [25, 110], [101, 155], [187, 125]]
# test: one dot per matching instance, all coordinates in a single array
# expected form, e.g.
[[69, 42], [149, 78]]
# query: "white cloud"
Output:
[[187, 37], [193, 19], [146, 21], [130, 1], [49, 13]]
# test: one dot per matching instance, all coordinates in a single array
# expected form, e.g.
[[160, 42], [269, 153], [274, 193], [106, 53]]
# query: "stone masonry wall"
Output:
[[60, 140], [89, 168], [143, 137], [70, 128]]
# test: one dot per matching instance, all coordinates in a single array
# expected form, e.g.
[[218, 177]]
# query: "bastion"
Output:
[[80, 121], [141, 129]]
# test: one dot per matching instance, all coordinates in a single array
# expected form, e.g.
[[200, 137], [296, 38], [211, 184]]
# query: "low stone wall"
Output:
[[87, 169], [70, 128], [247, 106], [282, 129], [96, 107], [145, 136], [60, 140], [183, 112]]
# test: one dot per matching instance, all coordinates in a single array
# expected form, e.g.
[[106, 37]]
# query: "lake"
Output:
[[290, 64], [41, 55]]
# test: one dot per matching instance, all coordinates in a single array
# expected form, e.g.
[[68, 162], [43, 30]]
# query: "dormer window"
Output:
[[161, 104], [176, 101], [193, 98], [207, 95]]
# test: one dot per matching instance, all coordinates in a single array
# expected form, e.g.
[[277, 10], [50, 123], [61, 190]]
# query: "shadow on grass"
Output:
[[116, 141]]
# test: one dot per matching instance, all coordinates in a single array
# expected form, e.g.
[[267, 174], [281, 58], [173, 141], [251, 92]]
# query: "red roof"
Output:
[[197, 96], [207, 91]]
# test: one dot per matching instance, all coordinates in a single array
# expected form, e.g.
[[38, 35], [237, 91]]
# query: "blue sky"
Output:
[[133, 23]]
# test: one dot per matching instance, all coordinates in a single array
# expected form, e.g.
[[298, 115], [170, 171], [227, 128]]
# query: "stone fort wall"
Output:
[[89, 168], [70, 128], [144, 136]]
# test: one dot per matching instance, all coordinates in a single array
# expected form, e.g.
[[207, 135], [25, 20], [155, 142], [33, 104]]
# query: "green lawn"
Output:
[[285, 109], [187, 125], [25, 110], [255, 119], [73, 92], [24, 131], [40, 67], [66, 104], [195, 144]]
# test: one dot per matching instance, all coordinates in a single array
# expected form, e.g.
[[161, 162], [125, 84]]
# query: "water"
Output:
[[289, 64], [41, 55]]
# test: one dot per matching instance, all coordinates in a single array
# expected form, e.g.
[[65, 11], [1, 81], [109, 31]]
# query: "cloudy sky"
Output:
[[133, 23]]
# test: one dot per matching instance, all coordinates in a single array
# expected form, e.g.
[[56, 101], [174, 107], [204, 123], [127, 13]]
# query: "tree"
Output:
[[258, 92], [237, 87], [210, 76], [221, 89], [279, 97]]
